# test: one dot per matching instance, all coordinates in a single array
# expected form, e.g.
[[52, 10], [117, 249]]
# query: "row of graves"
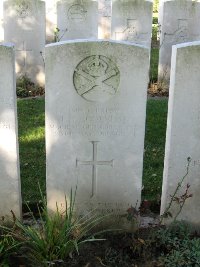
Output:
[[95, 108], [30, 24]]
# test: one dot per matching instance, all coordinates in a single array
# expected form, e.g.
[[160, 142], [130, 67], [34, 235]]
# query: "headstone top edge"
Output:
[[69, 2], [89, 41], [151, 1], [186, 45]]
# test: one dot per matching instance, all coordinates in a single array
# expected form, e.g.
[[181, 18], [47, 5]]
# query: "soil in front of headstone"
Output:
[[118, 250]]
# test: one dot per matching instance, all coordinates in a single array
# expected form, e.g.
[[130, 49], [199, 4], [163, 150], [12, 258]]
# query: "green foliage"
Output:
[[115, 259], [7, 246], [154, 63], [155, 6], [155, 20], [26, 88], [176, 245], [166, 238], [181, 250], [186, 254], [54, 237]]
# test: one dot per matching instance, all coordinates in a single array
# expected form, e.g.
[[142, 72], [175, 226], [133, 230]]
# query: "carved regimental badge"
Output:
[[23, 10], [77, 12], [96, 78]]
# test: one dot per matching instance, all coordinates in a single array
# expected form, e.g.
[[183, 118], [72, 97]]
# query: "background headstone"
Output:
[[183, 132], [10, 189], [95, 123], [180, 23], [24, 26], [77, 19], [1, 22], [104, 26], [132, 21], [160, 16], [51, 20]]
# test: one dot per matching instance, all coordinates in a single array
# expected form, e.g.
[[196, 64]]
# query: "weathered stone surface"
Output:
[[132, 21], [51, 20], [179, 24], [95, 121], [77, 20], [1, 22], [24, 26], [10, 196], [183, 132], [104, 26]]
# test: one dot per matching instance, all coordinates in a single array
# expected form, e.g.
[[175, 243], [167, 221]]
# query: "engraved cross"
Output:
[[24, 51], [94, 163]]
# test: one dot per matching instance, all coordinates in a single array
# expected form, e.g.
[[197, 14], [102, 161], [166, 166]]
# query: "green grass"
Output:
[[155, 6], [154, 148], [154, 64], [32, 148]]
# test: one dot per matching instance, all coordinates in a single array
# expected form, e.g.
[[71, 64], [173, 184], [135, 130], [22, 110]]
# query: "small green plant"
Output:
[[185, 255], [53, 238], [57, 36], [176, 245], [26, 88], [115, 259], [155, 6], [7, 246], [179, 200]]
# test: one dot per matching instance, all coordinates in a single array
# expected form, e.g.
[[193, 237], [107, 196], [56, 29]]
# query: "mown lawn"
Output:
[[154, 148], [32, 148], [31, 119]]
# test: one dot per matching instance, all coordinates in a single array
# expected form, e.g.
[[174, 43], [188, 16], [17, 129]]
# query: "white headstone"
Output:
[[24, 24], [160, 16], [51, 20], [180, 23], [160, 10], [77, 19], [95, 123], [10, 189], [132, 21], [104, 26], [183, 132], [1, 22]]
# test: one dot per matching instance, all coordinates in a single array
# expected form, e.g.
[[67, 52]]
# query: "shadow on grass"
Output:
[[31, 121]]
